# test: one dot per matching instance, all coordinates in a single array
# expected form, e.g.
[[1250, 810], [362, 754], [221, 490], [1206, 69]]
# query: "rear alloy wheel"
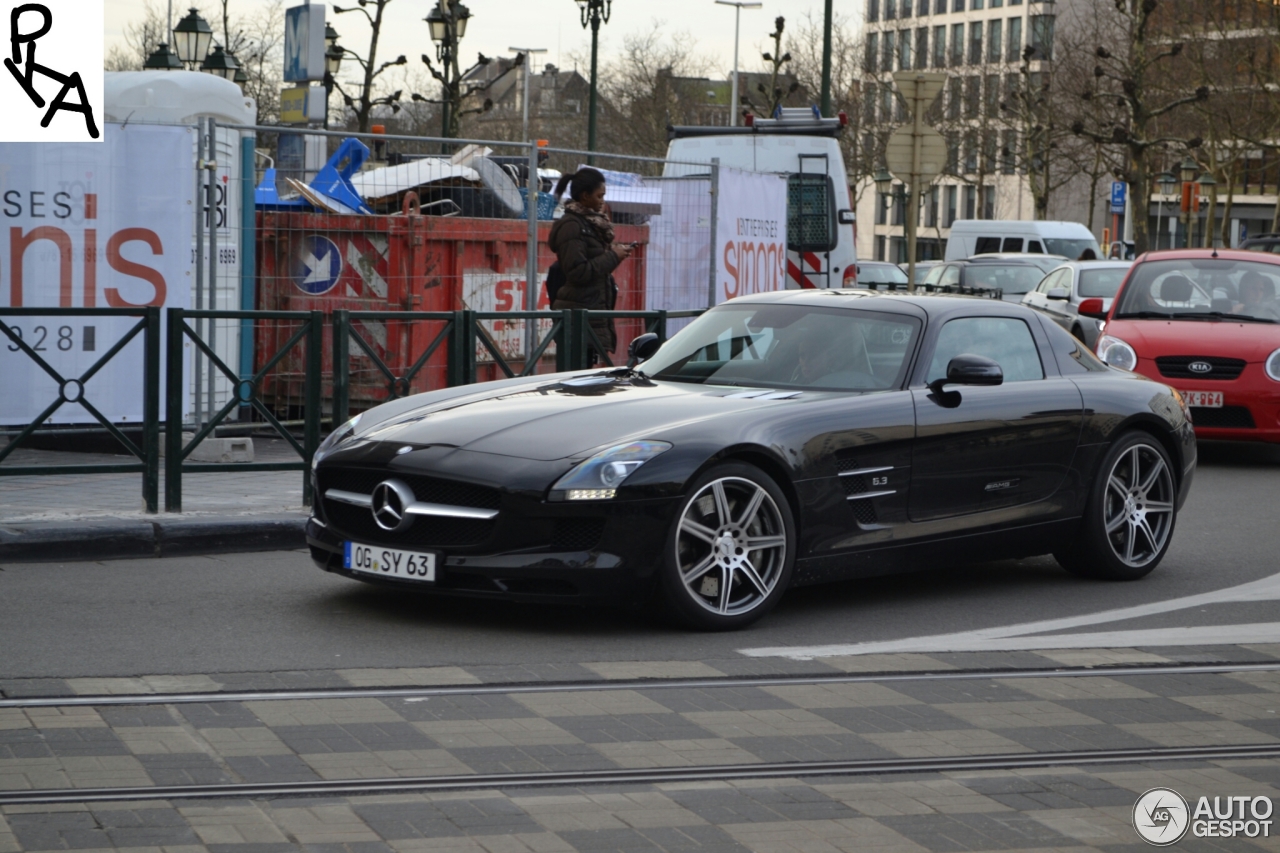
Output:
[[1131, 514], [731, 549]]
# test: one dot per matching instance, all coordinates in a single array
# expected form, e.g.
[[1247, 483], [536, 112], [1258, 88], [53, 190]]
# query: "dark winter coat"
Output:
[[586, 262]]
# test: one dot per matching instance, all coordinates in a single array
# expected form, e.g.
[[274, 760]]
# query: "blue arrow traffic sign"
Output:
[[317, 266]]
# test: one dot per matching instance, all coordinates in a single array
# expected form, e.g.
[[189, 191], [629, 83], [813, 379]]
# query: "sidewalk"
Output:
[[98, 516]]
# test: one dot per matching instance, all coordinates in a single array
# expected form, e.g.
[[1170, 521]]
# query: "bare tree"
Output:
[[141, 38], [366, 99]]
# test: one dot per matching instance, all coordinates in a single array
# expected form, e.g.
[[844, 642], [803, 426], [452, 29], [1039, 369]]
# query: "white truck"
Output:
[[799, 143]]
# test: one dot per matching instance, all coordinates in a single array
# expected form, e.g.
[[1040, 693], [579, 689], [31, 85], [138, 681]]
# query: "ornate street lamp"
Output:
[[1189, 168], [883, 181], [219, 63], [163, 59], [593, 13], [448, 24], [191, 38], [332, 64]]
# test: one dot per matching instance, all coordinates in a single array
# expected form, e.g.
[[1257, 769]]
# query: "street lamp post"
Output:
[[528, 74], [738, 5], [594, 13], [191, 38], [1206, 180], [333, 54], [448, 23], [1168, 183], [219, 63]]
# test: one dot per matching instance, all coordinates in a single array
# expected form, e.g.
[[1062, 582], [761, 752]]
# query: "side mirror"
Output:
[[969, 369], [1058, 293], [642, 348], [1091, 308]]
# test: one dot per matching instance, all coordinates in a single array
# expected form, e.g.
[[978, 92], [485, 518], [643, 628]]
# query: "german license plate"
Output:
[[1204, 399], [390, 562]]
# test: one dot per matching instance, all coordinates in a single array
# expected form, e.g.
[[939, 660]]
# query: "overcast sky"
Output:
[[496, 25]]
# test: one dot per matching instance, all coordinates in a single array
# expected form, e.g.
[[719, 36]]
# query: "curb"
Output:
[[119, 538]]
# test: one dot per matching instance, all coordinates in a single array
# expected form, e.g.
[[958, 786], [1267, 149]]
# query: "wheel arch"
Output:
[[766, 461], [1158, 430]]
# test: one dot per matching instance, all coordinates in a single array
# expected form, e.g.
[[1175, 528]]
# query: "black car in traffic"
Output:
[[779, 440]]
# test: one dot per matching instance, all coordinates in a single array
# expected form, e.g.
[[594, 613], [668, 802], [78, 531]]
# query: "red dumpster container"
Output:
[[326, 262]]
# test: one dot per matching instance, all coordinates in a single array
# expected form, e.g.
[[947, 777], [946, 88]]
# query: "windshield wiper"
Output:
[[1145, 315], [1224, 315]]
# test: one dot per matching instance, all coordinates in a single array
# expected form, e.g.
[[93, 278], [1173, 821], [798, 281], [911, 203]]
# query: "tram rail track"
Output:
[[728, 682], [579, 778]]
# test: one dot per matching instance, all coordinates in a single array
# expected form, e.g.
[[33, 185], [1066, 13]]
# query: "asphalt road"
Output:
[[276, 612]]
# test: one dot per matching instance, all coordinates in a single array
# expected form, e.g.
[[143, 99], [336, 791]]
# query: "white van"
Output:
[[805, 147], [971, 237]]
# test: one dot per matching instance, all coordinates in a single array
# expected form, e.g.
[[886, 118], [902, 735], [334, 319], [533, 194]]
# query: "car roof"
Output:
[[1210, 254], [931, 305], [1101, 263], [876, 264], [1005, 257]]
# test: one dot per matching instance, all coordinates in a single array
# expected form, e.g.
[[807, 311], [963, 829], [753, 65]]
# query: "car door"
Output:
[[1036, 298], [998, 448], [1061, 310]]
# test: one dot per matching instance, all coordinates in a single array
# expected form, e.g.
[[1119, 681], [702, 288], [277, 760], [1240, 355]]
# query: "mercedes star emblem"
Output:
[[391, 499]]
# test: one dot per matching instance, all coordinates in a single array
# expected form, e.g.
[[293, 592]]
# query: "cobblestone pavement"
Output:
[[641, 726], [62, 497]]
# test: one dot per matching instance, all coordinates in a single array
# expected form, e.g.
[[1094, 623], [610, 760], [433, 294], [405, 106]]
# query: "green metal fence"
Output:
[[462, 332], [248, 391], [75, 390]]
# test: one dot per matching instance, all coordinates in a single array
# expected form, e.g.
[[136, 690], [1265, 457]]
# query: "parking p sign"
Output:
[[1118, 189]]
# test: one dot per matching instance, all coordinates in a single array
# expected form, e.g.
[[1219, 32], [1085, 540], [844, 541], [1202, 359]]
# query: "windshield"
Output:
[[1071, 248], [880, 274], [790, 346], [1011, 278], [1101, 284], [1203, 287]]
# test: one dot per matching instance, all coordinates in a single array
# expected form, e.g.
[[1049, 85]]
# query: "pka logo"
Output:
[[1161, 817], [46, 97]]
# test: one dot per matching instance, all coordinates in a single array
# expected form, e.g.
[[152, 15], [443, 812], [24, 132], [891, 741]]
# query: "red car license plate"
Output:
[[1204, 399]]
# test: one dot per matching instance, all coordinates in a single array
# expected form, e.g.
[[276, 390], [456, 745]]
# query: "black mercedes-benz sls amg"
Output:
[[780, 439]]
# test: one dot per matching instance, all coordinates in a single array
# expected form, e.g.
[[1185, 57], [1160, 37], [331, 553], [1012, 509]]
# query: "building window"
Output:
[[972, 96], [904, 50], [990, 152], [906, 8], [957, 5], [939, 47], [971, 153], [954, 97], [922, 47], [868, 111], [975, 43], [879, 248], [1015, 40], [873, 11], [950, 211], [993, 96], [931, 209], [988, 202], [882, 204], [890, 9], [873, 49], [887, 100], [993, 40], [953, 153], [957, 44], [975, 5], [1009, 152], [939, 7], [886, 55], [1042, 36], [995, 4], [899, 205], [970, 202], [1015, 2]]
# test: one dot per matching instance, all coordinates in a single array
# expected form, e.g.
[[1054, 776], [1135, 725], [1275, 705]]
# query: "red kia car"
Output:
[[1207, 323]]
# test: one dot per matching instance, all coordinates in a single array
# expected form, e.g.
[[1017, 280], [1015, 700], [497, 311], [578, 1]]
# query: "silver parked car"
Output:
[[1062, 290]]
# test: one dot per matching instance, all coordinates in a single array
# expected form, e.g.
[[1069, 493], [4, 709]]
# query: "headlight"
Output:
[[1273, 365], [335, 438], [598, 478], [1117, 353]]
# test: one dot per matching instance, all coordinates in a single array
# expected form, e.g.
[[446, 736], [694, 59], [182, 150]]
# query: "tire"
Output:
[[713, 578], [1129, 520]]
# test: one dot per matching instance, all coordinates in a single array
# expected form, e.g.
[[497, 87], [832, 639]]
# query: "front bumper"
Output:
[[1250, 404]]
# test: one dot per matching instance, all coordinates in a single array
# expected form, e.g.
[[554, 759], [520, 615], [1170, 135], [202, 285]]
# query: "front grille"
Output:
[[1176, 367], [577, 534], [426, 531], [1226, 417]]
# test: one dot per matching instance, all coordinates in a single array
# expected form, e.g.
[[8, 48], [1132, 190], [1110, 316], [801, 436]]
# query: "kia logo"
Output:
[[1200, 367]]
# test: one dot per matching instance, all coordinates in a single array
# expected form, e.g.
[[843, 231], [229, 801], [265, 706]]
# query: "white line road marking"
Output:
[[1020, 637]]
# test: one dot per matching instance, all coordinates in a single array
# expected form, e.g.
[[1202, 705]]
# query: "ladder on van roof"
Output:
[[809, 214]]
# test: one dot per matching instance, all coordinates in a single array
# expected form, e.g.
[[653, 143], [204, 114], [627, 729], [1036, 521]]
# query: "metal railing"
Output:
[[458, 341], [73, 390]]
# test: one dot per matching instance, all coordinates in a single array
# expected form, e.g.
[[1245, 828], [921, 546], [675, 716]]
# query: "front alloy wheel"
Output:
[[1131, 513], [730, 552]]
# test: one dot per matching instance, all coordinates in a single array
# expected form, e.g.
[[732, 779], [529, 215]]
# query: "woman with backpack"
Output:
[[586, 254]]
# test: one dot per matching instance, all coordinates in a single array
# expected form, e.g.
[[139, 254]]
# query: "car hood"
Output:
[[1225, 338], [554, 420]]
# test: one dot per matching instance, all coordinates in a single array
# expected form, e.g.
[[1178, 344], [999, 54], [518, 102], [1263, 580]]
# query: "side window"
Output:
[[950, 276], [987, 245], [935, 275], [1004, 340], [1034, 247], [1073, 359], [1012, 244], [1051, 281], [811, 213]]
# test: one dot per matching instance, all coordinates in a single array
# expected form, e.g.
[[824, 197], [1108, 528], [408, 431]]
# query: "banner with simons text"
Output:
[[751, 234], [90, 226]]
